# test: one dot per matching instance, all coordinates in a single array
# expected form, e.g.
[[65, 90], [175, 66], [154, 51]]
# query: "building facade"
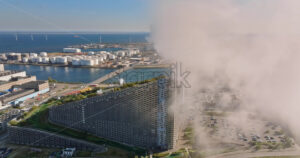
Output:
[[136, 116], [8, 75], [34, 137], [24, 91], [6, 85], [6, 117]]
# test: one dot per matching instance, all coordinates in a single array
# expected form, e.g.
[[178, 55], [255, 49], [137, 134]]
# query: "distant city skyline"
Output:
[[75, 15]]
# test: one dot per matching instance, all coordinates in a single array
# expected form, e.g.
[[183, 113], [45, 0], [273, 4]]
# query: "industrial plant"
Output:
[[75, 58], [16, 87]]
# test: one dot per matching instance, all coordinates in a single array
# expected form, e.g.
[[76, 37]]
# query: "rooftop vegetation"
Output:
[[51, 80], [133, 84]]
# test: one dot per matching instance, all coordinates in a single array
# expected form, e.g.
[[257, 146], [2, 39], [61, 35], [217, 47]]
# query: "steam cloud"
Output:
[[253, 47]]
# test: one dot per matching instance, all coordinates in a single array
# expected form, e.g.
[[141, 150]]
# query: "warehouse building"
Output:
[[7, 85], [25, 91], [136, 116], [8, 75], [16, 87]]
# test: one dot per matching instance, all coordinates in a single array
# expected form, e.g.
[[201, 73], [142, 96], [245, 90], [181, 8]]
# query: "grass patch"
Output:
[[175, 155], [159, 155], [27, 152], [132, 84], [189, 135], [51, 80]]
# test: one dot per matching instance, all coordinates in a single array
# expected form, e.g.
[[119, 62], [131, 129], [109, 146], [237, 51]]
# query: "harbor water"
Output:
[[86, 75]]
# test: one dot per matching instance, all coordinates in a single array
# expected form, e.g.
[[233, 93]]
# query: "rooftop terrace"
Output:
[[9, 72]]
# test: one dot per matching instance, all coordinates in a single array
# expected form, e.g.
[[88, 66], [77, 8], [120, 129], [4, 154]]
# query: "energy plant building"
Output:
[[136, 115]]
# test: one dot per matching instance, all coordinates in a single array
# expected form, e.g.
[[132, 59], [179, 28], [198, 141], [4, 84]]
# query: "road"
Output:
[[110, 75]]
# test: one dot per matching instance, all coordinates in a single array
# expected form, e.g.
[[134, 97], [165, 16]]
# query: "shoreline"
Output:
[[151, 66], [58, 65], [97, 67]]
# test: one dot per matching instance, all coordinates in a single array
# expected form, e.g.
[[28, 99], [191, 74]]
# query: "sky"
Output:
[[75, 15]]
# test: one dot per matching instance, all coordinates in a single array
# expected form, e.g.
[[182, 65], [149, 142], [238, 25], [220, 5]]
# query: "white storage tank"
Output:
[[43, 54], [61, 60], [76, 62], [25, 60], [96, 62], [39, 59], [112, 57], [133, 52], [104, 56], [30, 59], [100, 59], [69, 59], [53, 60], [121, 53], [34, 59], [86, 62], [33, 55], [45, 60], [3, 56]]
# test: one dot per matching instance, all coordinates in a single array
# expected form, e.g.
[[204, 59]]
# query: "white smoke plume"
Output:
[[251, 46]]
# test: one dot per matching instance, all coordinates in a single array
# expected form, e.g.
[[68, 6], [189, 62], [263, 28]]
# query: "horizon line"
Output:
[[72, 32]]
